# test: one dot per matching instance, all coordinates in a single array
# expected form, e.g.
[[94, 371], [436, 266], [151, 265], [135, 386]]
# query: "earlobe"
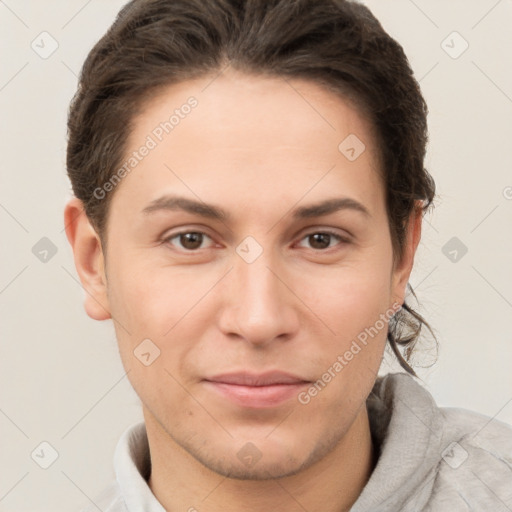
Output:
[[403, 269], [89, 259]]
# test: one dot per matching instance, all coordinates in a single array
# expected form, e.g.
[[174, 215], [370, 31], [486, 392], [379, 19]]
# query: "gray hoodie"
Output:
[[430, 458]]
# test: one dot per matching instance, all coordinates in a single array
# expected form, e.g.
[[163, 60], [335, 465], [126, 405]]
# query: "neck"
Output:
[[333, 484]]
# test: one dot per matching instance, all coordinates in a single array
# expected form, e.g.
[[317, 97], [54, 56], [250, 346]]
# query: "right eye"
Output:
[[190, 241]]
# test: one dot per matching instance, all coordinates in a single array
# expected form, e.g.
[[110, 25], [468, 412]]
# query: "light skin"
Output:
[[256, 149]]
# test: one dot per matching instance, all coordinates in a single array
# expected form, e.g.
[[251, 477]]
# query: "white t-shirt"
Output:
[[431, 459]]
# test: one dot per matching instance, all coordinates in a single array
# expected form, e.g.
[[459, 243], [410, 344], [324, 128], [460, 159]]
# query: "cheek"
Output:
[[357, 311], [167, 305], [347, 299], [161, 312], [153, 300]]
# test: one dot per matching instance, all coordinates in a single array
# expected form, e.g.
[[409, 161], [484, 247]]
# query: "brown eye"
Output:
[[188, 240], [321, 240], [191, 240]]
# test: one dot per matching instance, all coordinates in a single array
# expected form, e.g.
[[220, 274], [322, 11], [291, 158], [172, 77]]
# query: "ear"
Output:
[[89, 260], [403, 268]]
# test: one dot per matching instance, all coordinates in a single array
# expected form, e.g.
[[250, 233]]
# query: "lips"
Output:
[[263, 379], [257, 391]]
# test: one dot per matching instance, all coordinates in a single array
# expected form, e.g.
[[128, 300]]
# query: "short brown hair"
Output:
[[338, 44]]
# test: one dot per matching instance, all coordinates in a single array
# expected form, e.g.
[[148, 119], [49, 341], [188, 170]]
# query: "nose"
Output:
[[258, 305]]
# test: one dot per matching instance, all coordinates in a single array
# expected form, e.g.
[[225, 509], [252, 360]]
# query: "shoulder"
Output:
[[475, 466], [476, 429], [447, 457]]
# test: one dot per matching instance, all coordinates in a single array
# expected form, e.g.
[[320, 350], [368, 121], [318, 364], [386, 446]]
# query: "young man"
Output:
[[249, 188]]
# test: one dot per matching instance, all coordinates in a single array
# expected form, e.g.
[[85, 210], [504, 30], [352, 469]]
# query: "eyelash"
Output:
[[341, 239]]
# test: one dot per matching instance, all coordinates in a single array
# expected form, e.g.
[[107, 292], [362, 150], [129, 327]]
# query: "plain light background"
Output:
[[61, 380]]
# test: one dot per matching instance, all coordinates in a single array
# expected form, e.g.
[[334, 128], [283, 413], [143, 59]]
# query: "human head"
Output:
[[335, 52], [338, 44]]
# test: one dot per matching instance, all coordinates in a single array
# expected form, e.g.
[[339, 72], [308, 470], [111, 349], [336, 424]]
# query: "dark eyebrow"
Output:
[[188, 205], [217, 213], [330, 206]]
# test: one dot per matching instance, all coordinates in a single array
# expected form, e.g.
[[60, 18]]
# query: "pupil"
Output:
[[317, 237], [191, 240]]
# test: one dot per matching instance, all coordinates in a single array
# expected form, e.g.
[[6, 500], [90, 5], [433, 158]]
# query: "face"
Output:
[[253, 255]]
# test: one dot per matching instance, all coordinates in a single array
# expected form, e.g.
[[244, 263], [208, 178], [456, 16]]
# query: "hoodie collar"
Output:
[[406, 427]]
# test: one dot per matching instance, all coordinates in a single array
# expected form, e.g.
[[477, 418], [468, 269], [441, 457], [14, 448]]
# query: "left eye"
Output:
[[322, 239]]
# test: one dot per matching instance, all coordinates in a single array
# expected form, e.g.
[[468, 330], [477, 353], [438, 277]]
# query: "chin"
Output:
[[263, 459], [261, 470]]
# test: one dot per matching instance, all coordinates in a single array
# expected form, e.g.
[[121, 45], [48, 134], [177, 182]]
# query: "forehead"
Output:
[[257, 137], [252, 109]]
